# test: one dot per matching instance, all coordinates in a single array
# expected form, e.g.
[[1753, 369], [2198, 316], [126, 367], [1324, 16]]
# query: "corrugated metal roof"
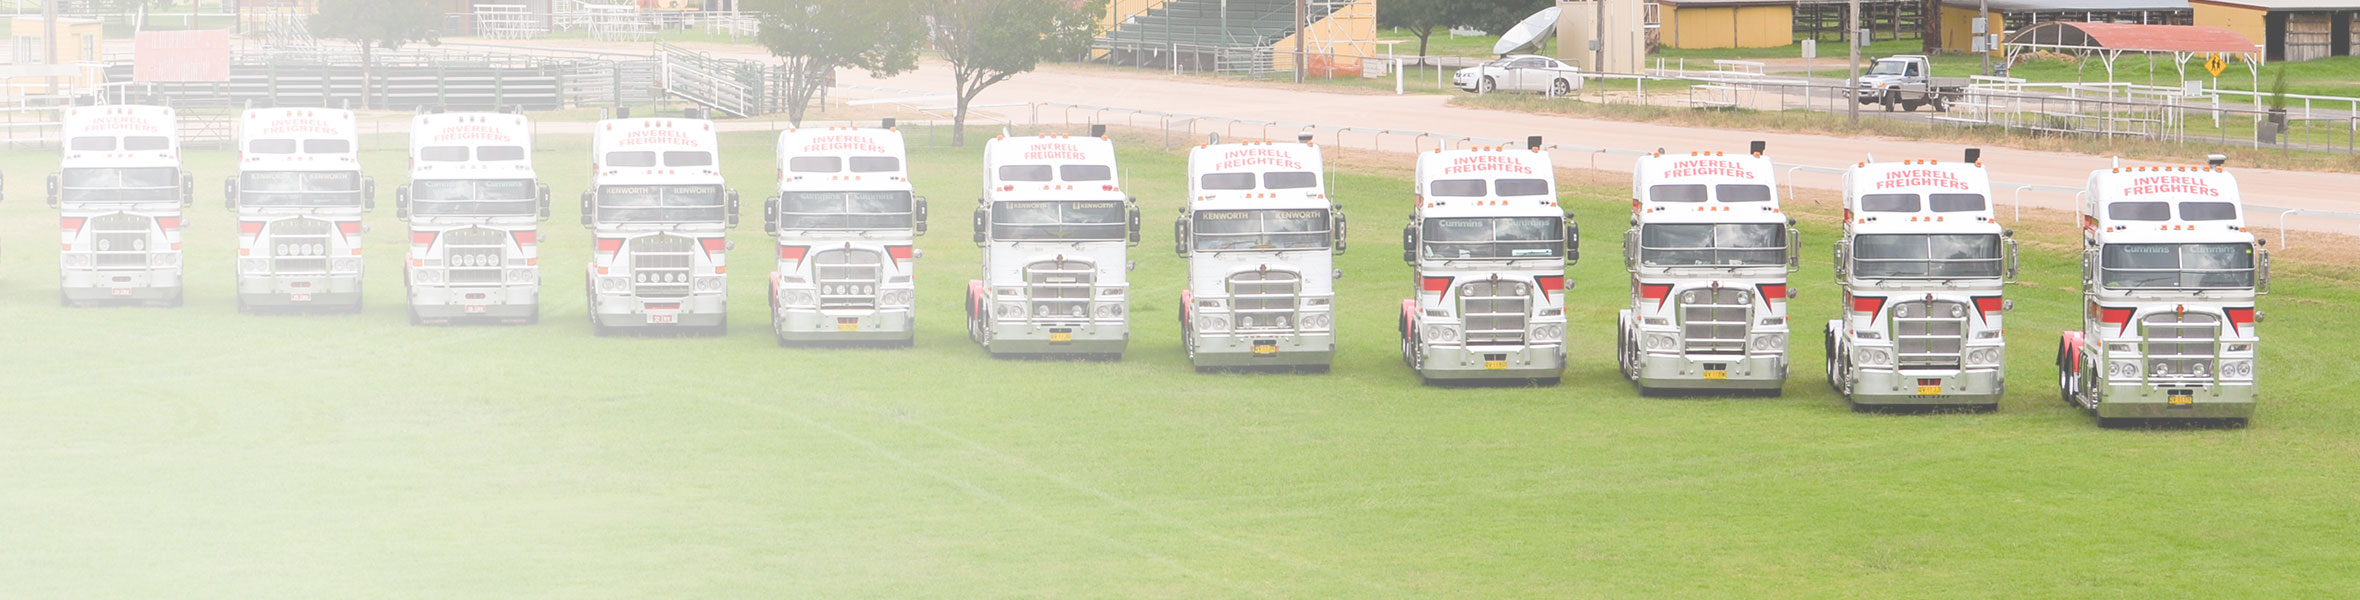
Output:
[[2074, 5], [2292, 4], [2118, 36]]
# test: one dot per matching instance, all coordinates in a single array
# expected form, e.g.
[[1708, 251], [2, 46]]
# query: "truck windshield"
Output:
[[474, 198], [1497, 238], [1059, 221], [1712, 245], [1889, 67], [144, 184], [334, 189], [1924, 256], [2179, 266], [1223, 230], [845, 210], [660, 204]]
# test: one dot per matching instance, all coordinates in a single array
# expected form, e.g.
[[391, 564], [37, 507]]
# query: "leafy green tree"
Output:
[[814, 38], [388, 24], [988, 41], [1419, 17], [1496, 16]]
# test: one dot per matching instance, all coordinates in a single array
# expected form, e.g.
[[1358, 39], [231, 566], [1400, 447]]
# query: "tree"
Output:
[[388, 24], [1497, 16], [988, 41], [814, 38], [136, 7], [1420, 17]]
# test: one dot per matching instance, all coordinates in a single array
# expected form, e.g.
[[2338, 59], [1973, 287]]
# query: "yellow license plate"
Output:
[[847, 327], [1716, 374], [1929, 390], [2183, 400], [1495, 365], [1061, 337], [1265, 349]]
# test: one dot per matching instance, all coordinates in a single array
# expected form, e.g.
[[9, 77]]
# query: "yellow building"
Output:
[[2007, 16], [80, 47], [1698, 24], [2288, 29]]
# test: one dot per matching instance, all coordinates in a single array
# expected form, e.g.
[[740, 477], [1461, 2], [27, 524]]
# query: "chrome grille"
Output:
[[1929, 334], [660, 266], [1060, 289], [1495, 311], [475, 255], [848, 278], [1715, 321], [121, 241], [2184, 345], [300, 245], [1266, 299]]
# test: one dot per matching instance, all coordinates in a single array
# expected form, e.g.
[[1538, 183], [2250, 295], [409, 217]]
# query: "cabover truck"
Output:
[[298, 195], [1905, 81], [1708, 251], [846, 222], [1487, 245], [1923, 263], [658, 213], [474, 208], [120, 194], [1055, 227], [1260, 235], [2170, 276]]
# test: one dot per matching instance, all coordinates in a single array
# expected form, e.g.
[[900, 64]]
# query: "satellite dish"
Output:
[[1532, 29]]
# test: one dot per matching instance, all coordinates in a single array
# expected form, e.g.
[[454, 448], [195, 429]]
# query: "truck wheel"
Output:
[[1940, 105], [1889, 99]]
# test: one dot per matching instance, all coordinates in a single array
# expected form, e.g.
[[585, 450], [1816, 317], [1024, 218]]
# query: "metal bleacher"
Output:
[[1196, 33]]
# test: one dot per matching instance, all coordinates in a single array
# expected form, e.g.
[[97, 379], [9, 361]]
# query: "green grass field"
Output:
[[193, 452]]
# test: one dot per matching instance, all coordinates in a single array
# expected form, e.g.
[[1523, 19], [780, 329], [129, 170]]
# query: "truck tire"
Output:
[[1940, 105], [1888, 99]]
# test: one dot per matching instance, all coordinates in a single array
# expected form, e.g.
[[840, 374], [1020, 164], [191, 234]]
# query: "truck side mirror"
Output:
[[1180, 236], [1134, 221], [733, 209], [1573, 241], [1409, 243], [401, 203], [53, 190], [2013, 262], [229, 193], [2261, 280], [1631, 248], [586, 209], [982, 217], [2089, 269], [1794, 250], [188, 189], [770, 216], [544, 202], [922, 212], [1340, 227], [1843, 261], [368, 193]]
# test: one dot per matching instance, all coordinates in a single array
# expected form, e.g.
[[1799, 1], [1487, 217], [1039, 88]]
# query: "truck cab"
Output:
[[1923, 263], [474, 208], [120, 193], [1487, 245], [2169, 282], [846, 220], [1055, 227], [298, 195], [1708, 251], [658, 212], [1260, 235]]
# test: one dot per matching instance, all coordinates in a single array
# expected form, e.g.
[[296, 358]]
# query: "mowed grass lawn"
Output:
[[194, 452]]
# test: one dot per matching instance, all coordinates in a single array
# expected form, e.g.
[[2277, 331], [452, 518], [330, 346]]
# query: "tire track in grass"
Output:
[[987, 495]]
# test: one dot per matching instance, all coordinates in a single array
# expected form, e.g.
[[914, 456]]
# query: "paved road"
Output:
[[2055, 173]]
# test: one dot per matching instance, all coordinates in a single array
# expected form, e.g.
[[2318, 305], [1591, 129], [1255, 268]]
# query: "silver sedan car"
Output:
[[1521, 73]]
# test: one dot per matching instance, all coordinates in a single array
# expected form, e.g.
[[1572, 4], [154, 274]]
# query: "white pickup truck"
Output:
[[1905, 81]]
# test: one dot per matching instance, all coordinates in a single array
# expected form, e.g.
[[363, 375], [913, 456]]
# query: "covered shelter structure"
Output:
[[1956, 24], [2109, 41]]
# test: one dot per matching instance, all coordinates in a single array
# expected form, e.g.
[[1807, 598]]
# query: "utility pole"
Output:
[[49, 41], [1983, 35], [1301, 30], [1852, 42]]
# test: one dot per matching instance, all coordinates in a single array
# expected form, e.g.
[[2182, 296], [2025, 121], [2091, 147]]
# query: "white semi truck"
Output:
[[120, 194], [659, 213], [2169, 282], [298, 195], [1923, 263], [1260, 235], [1487, 245], [1055, 227], [474, 207], [1709, 251], [846, 219]]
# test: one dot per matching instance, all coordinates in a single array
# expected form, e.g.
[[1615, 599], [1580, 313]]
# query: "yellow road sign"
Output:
[[2215, 65]]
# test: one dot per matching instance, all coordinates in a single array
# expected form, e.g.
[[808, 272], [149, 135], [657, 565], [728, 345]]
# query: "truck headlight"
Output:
[[1110, 310], [1659, 341], [2122, 369], [899, 297], [1875, 357], [710, 283], [1548, 333], [614, 285], [1011, 310], [801, 298], [1442, 333], [164, 259], [1983, 357], [253, 266], [1769, 343], [523, 275], [76, 259], [1212, 324], [345, 265], [2237, 369], [1316, 321], [428, 276]]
